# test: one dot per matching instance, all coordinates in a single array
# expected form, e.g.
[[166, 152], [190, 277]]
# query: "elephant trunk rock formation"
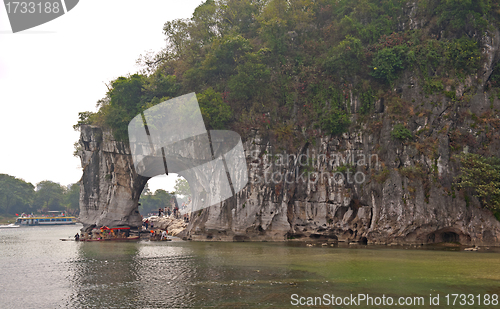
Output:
[[407, 193], [110, 187]]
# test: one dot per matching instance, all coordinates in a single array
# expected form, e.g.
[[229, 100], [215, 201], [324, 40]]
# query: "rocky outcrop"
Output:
[[172, 225], [110, 187], [404, 192], [321, 205], [306, 195], [362, 186]]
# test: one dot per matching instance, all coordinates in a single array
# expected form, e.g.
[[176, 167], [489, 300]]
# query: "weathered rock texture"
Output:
[[394, 209], [173, 226], [110, 187], [405, 196], [383, 207]]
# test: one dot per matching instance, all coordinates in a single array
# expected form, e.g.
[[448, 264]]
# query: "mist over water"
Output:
[[38, 270]]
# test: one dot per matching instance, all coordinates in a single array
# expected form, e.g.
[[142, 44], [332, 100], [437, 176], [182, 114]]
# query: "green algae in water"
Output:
[[181, 274], [342, 272]]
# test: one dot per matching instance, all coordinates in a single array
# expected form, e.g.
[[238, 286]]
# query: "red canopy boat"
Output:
[[106, 233]]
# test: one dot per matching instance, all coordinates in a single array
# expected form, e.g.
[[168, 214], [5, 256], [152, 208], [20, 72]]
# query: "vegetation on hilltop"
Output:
[[285, 66], [483, 175], [294, 69]]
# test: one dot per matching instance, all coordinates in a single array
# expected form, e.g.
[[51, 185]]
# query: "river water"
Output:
[[38, 270]]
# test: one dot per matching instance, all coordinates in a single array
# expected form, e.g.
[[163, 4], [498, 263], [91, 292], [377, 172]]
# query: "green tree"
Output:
[[49, 196], [182, 187], [72, 198], [164, 197], [177, 36], [335, 121], [274, 24], [225, 54], [158, 84], [239, 15], [16, 195], [84, 118], [215, 111], [388, 62], [401, 132], [252, 80], [346, 58], [482, 175], [464, 54], [124, 101], [205, 23], [463, 14], [150, 203]]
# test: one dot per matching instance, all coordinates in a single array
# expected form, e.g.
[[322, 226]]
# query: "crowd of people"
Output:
[[24, 215], [157, 235], [103, 234], [176, 214]]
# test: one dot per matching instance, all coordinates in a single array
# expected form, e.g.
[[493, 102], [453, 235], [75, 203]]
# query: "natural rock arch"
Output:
[[111, 187]]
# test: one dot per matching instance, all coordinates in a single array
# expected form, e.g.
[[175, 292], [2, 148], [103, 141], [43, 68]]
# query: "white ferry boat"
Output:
[[51, 220]]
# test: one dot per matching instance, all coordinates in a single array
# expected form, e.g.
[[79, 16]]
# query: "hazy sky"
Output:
[[51, 72]]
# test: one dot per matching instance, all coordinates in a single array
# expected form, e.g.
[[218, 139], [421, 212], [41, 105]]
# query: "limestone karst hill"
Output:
[[367, 120]]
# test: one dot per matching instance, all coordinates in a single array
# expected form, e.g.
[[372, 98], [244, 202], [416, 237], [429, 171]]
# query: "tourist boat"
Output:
[[51, 220], [112, 239], [116, 233]]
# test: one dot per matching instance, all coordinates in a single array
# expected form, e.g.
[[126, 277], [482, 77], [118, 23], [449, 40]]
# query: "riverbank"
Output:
[[172, 225]]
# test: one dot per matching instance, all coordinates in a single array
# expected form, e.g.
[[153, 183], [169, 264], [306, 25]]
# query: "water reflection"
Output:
[[165, 271], [40, 271], [35, 267], [105, 275]]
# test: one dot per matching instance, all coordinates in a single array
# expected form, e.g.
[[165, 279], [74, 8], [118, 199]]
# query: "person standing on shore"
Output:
[[164, 235]]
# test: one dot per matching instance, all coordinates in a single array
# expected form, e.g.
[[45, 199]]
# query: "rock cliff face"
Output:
[[362, 186], [389, 209], [307, 195], [110, 187]]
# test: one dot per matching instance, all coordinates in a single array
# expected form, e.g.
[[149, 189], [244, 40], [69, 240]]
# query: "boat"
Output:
[[12, 225], [47, 220], [112, 239], [114, 233]]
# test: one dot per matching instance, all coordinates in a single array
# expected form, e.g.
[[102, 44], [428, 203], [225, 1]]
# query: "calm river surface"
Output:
[[37, 270]]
